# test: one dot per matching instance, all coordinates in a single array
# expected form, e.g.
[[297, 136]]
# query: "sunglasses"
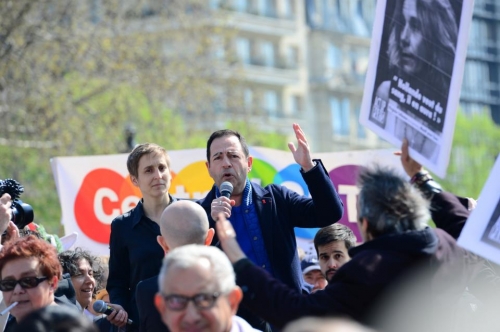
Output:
[[25, 283], [180, 302]]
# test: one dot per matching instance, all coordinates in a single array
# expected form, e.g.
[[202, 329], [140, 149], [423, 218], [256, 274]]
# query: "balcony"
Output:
[[256, 23]]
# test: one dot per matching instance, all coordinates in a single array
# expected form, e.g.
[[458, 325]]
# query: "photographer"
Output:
[[11, 231], [5, 212]]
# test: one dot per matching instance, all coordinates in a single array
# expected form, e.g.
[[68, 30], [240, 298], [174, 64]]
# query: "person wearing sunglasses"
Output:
[[198, 291], [29, 275]]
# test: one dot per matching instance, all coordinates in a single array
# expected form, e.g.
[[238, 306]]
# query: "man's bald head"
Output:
[[184, 222]]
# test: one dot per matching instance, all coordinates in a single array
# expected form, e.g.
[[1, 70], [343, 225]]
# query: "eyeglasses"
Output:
[[25, 283], [180, 302]]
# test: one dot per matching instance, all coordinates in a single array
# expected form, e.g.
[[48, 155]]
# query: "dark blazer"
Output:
[[280, 210], [134, 256], [149, 317]]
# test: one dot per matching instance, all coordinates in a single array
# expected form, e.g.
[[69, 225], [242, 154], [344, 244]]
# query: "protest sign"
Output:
[[412, 87], [481, 233]]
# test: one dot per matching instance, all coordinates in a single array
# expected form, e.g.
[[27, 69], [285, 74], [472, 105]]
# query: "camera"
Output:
[[22, 213]]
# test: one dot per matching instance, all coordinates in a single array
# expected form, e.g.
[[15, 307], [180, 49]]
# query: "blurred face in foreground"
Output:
[[205, 310], [29, 292]]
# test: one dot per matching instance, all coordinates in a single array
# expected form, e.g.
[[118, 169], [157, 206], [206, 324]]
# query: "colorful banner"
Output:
[[93, 190]]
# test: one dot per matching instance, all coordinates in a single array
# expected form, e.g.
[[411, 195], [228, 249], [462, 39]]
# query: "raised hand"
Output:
[[410, 166], [301, 154]]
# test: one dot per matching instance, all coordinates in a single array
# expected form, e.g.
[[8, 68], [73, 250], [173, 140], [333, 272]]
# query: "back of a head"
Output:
[[389, 203], [184, 222], [316, 324], [192, 255], [56, 318]]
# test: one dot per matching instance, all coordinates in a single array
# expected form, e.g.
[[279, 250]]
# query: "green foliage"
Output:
[[97, 128], [255, 137], [476, 144]]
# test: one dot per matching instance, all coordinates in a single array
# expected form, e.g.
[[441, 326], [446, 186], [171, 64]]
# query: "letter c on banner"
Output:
[[102, 196], [98, 205]]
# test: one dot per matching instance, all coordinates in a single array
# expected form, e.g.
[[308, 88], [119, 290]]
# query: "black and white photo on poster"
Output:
[[413, 81], [481, 233]]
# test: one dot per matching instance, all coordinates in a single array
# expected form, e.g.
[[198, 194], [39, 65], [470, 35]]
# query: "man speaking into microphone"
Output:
[[264, 218]]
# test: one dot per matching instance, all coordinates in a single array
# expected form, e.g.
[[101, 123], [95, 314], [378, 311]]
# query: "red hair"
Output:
[[31, 246]]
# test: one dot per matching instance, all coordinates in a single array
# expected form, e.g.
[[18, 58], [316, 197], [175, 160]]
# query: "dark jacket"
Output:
[[360, 285], [149, 317], [280, 210], [134, 256]]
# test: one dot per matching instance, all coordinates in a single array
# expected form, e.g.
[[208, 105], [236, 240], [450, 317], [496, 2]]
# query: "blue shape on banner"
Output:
[[306, 233], [291, 173]]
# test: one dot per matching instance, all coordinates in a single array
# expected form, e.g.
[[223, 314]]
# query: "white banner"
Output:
[[93, 190], [413, 82], [481, 233]]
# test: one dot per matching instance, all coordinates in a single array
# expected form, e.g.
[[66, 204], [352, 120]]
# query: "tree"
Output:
[[73, 74], [476, 144]]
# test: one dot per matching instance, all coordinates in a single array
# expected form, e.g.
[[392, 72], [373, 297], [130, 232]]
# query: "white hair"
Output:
[[188, 256]]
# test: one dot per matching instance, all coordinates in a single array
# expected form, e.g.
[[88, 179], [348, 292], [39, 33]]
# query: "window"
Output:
[[219, 102], [271, 102], [241, 5], [358, 22], [333, 57], [218, 47], [248, 98], [292, 57], [360, 129], [295, 104], [340, 116], [476, 82], [243, 50], [267, 8], [288, 9], [267, 50]]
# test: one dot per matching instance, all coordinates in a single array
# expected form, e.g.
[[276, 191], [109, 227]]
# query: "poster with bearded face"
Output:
[[412, 87]]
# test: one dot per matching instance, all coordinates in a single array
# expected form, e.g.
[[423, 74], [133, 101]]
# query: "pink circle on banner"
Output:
[[344, 179]]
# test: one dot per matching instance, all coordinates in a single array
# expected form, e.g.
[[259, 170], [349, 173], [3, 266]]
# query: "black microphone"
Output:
[[226, 189], [101, 307]]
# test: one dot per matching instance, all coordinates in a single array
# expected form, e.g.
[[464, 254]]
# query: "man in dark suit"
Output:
[[183, 222]]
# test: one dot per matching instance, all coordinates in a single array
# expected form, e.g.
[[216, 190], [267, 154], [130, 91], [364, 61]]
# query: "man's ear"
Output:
[[210, 236], [163, 244], [364, 228], [159, 304], [235, 298], [250, 162]]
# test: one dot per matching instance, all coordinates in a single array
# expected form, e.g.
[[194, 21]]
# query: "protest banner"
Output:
[[93, 190], [481, 233], [413, 82]]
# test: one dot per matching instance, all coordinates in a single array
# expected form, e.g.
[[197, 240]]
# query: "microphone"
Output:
[[226, 189], [101, 307]]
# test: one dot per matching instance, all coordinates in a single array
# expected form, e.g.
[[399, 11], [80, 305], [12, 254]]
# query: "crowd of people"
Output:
[[225, 264]]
